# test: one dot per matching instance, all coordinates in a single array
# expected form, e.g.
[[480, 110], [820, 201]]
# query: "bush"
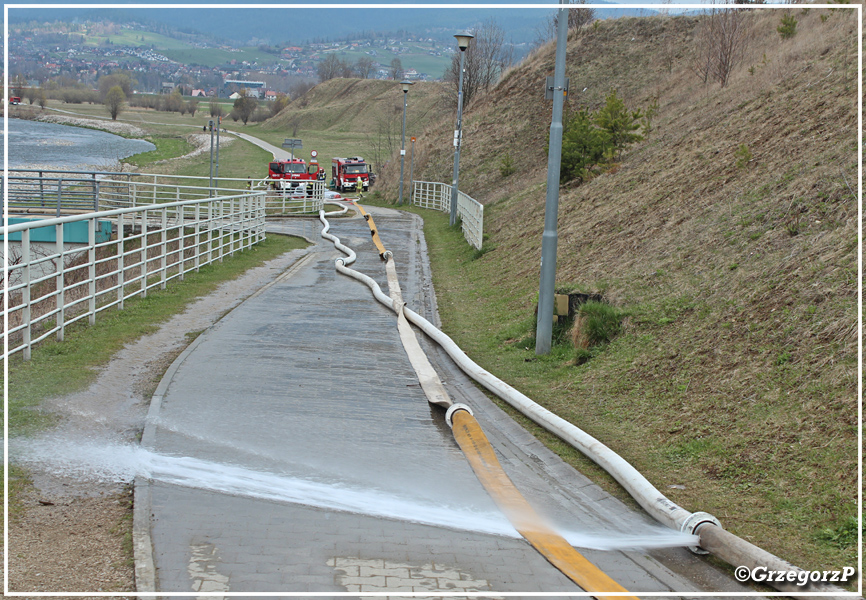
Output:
[[506, 166], [743, 155], [591, 140], [788, 28], [583, 147], [596, 324]]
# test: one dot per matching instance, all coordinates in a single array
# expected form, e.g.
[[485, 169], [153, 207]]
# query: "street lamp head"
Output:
[[406, 85], [463, 40]]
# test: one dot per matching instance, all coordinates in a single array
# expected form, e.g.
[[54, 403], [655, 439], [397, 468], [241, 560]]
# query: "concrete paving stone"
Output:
[[364, 581]]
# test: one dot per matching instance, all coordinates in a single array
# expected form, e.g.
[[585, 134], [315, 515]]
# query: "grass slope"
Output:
[[735, 377]]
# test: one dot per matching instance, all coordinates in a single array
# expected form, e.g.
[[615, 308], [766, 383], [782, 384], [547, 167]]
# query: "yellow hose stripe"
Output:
[[484, 463], [373, 231], [529, 523]]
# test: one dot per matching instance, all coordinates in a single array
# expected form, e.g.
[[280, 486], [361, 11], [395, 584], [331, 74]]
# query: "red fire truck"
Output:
[[292, 174], [350, 173]]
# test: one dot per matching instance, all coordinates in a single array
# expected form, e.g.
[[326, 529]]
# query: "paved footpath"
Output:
[[295, 452]]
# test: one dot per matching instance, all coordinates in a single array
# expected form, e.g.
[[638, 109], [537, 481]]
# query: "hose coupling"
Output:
[[695, 520], [387, 255], [453, 409]]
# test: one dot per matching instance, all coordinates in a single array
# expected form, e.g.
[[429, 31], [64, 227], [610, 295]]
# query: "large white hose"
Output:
[[723, 544], [656, 504]]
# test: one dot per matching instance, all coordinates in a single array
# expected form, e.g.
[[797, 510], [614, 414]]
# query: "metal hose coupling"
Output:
[[387, 255], [453, 409], [695, 520]]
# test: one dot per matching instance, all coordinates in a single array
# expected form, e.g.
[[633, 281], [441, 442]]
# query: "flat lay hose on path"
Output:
[[474, 443], [730, 548]]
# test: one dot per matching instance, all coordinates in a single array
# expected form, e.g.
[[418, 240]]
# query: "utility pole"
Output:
[[546, 288]]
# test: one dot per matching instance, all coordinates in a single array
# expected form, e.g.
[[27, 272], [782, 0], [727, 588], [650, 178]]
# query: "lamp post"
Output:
[[463, 44], [411, 170], [549, 239], [405, 84]]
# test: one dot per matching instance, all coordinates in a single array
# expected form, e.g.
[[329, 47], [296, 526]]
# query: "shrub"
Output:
[[583, 147], [788, 28], [596, 324], [506, 166], [743, 156]]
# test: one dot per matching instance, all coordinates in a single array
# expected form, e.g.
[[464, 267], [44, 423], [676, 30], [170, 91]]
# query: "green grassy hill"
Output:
[[345, 117], [729, 238]]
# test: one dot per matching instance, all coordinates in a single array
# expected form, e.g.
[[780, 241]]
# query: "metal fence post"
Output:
[[91, 270], [60, 284], [163, 249], [121, 253], [59, 195], [25, 293]]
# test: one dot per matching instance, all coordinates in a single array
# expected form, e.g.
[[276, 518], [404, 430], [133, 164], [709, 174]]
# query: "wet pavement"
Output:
[[299, 454]]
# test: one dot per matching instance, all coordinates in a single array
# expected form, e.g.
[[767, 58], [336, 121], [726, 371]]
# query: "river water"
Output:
[[33, 144]]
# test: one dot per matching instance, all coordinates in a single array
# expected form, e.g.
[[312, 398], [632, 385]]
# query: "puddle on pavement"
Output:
[[114, 407]]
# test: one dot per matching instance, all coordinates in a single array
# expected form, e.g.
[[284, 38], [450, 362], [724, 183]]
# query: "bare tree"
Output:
[[721, 44], [396, 69], [385, 139], [330, 68], [301, 87], [577, 19], [485, 59], [215, 108], [364, 67]]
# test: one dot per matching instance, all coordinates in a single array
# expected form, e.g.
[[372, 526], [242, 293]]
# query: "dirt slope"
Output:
[[737, 374]]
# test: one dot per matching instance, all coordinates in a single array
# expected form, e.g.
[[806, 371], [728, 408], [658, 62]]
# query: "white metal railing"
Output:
[[306, 198], [437, 196], [53, 284], [44, 191]]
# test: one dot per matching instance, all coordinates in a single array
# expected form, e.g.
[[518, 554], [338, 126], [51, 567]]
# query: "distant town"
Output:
[[167, 60]]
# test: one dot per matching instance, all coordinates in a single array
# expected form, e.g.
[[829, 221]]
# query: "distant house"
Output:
[[270, 95], [198, 94], [235, 96], [410, 74]]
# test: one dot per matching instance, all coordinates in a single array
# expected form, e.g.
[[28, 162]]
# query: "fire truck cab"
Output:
[[350, 173], [291, 174]]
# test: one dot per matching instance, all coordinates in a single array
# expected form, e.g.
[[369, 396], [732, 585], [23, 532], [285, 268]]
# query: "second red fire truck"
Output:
[[350, 173]]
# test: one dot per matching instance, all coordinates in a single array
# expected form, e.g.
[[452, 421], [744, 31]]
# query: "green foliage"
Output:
[[244, 107], [620, 124], [506, 166], [648, 115], [589, 141], [788, 28], [843, 536], [599, 322], [583, 147], [743, 156]]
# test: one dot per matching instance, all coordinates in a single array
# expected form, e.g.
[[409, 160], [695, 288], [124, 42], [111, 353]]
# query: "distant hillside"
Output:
[[286, 24], [369, 109], [729, 235]]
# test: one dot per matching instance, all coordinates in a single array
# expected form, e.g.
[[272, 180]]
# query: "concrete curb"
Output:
[[145, 567]]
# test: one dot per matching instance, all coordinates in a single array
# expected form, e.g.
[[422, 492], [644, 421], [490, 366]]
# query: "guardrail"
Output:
[[52, 284], [437, 196], [36, 191], [307, 198], [61, 192]]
